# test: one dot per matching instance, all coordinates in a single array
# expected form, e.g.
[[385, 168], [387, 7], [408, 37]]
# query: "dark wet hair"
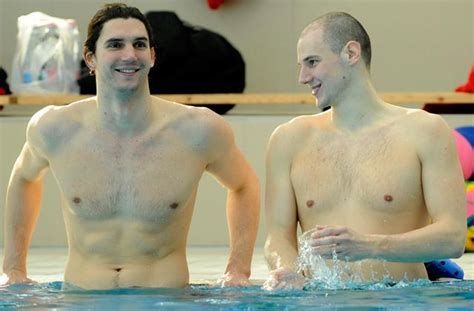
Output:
[[113, 11], [340, 28]]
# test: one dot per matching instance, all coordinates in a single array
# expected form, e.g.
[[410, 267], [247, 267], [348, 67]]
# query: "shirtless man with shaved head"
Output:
[[368, 180], [128, 166]]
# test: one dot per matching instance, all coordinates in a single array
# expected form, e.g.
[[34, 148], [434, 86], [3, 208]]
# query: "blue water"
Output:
[[412, 296]]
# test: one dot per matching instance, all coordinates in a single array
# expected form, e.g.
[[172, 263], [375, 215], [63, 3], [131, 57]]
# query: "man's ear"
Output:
[[89, 58], [153, 56], [352, 52]]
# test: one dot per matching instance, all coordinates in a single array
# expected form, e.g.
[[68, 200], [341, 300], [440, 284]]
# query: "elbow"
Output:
[[457, 252], [249, 184], [458, 244]]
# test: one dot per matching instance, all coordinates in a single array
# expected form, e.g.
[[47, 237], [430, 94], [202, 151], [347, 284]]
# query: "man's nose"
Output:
[[129, 52], [305, 76]]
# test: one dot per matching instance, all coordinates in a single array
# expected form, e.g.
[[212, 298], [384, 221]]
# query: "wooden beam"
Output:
[[4, 100], [249, 98]]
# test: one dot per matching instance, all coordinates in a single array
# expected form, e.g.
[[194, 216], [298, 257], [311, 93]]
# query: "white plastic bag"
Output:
[[47, 55]]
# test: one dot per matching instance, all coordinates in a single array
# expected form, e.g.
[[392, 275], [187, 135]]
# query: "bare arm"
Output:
[[443, 190], [234, 172], [281, 247], [444, 199], [22, 208]]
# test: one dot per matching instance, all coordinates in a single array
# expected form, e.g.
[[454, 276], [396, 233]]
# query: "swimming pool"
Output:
[[434, 296], [46, 266]]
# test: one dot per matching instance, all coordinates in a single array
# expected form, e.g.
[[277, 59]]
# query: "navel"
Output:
[[310, 203], [388, 198], [174, 205], [76, 200], [118, 269]]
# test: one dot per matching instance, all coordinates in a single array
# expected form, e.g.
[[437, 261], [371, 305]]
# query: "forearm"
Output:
[[281, 251], [21, 212], [242, 218], [435, 241]]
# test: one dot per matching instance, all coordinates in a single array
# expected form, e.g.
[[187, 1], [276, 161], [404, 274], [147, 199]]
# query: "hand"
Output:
[[348, 244], [18, 277], [284, 279], [230, 279]]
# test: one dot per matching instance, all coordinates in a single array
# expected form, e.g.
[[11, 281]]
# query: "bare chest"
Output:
[[145, 179], [362, 176]]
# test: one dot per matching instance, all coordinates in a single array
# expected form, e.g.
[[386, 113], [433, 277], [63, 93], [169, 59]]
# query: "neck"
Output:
[[124, 112], [358, 107]]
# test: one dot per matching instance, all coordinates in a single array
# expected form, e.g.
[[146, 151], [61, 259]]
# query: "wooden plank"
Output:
[[250, 98], [53, 99], [4, 99], [432, 98]]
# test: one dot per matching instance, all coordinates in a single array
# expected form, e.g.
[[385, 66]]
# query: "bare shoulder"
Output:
[[198, 120], [424, 124], [289, 135], [199, 126], [427, 131], [54, 125]]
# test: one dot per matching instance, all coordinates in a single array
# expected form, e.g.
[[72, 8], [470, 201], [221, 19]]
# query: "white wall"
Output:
[[418, 45]]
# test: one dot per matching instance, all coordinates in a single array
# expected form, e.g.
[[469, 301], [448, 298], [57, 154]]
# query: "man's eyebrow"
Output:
[[305, 59], [309, 57], [122, 39]]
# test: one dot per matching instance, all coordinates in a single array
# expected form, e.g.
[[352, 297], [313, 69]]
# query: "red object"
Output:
[[469, 86], [214, 4]]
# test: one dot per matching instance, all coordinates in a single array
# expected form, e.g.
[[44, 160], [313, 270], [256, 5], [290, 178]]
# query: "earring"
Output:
[[91, 72]]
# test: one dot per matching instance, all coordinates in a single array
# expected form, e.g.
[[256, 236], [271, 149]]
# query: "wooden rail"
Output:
[[250, 98]]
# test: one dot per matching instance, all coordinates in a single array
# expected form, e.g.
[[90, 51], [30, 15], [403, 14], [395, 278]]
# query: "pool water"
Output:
[[457, 295]]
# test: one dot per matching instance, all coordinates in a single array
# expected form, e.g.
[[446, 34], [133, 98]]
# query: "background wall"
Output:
[[418, 45]]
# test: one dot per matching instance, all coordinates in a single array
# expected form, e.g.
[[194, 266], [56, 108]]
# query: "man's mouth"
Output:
[[315, 89], [127, 70]]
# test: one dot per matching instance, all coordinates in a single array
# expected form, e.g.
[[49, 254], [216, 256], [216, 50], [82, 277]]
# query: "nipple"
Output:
[[310, 203], [388, 198], [174, 205]]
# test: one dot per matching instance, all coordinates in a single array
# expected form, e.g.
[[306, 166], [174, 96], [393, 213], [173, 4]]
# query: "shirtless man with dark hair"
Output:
[[128, 166]]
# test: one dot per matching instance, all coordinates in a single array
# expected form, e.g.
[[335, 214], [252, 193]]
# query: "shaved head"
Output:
[[338, 29]]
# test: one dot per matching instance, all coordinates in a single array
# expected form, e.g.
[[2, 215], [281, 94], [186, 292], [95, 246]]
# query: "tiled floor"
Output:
[[205, 263]]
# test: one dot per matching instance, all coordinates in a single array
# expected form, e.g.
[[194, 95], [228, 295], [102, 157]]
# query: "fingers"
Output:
[[273, 284], [340, 252], [326, 241], [326, 231], [270, 284], [13, 281], [284, 279], [232, 281]]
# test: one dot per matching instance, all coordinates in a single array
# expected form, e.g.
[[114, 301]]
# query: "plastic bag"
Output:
[[47, 55]]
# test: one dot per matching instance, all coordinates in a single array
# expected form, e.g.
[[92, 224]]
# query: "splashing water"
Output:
[[335, 273]]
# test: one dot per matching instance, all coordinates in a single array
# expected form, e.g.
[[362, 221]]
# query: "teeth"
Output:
[[127, 70], [315, 89]]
